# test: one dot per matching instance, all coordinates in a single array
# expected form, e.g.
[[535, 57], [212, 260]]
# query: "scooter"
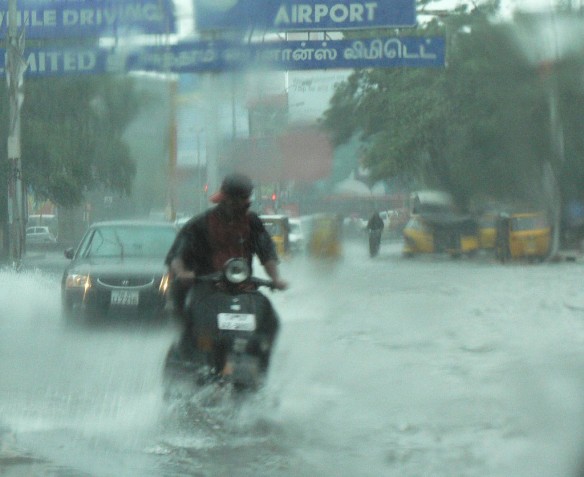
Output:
[[229, 330], [374, 241]]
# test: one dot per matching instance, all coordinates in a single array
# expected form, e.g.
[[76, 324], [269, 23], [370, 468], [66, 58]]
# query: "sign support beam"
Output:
[[15, 82]]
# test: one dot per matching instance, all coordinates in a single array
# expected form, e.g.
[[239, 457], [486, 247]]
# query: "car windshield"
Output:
[[274, 228], [528, 222], [488, 221], [450, 342], [127, 242]]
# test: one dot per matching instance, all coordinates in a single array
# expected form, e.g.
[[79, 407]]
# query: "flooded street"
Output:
[[141, 133], [385, 366]]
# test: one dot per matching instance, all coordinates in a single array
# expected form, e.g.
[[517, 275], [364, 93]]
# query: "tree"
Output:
[[479, 127], [72, 131]]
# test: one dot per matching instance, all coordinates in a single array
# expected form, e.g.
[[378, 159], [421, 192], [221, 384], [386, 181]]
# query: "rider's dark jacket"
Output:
[[208, 240], [204, 244]]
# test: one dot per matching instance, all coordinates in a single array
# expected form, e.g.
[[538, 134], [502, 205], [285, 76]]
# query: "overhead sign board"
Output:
[[204, 56], [384, 52], [303, 15], [91, 18]]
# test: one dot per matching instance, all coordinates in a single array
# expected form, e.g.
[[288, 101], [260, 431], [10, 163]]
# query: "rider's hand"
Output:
[[179, 272], [184, 275], [280, 284]]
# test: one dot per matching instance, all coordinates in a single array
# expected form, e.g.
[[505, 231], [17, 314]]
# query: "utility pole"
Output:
[[15, 67], [199, 184], [172, 151]]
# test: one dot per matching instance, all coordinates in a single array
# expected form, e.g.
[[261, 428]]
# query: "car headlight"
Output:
[[164, 282], [76, 280]]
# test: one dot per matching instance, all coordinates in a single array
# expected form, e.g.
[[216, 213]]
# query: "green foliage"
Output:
[[71, 135], [479, 127]]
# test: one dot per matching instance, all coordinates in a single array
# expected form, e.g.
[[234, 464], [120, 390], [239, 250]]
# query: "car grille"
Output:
[[133, 282]]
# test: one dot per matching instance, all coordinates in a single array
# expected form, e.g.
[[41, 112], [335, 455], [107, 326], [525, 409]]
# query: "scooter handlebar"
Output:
[[262, 282], [218, 277]]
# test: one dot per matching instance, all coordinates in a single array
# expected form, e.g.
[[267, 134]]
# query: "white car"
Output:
[[181, 221], [39, 235], [296, 237]]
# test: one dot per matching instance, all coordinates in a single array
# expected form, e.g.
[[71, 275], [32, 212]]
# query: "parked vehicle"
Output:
[[487, 230], [441, 233], [118, 270], [430, 202], [44, 220], [523, 235], [228, 334], [418, 237], [435, 226], [39, 235], [296, 236], [279, 228]]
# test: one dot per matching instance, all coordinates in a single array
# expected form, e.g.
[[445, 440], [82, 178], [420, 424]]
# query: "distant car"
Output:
[[296, 237], [278, 226], [39, 235], [181, 221], [117, 270], [354, 224]]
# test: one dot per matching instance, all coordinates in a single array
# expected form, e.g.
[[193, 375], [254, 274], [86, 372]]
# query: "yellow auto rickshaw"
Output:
[[523, 235], [325, 236], [418, 237], [441, 233], [487, 230], [279, 229]]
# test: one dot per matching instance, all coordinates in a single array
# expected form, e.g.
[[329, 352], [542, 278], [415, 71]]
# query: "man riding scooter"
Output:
[[202, 248], [225, 231]]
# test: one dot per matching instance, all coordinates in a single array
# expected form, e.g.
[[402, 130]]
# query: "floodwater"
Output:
[[384, 367]]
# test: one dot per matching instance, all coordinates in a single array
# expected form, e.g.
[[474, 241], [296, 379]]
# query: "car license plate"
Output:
[[125, 297], [236, 321]]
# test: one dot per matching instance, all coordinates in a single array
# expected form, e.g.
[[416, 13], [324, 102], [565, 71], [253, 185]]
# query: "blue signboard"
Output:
[[207, 56], [303, 15], [292, 55], [348, 54], [91, 18]]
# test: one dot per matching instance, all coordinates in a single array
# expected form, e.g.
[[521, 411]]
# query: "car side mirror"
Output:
[[69, 253]]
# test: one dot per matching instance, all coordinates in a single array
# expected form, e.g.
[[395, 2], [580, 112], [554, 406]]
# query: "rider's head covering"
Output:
[[233, 185]]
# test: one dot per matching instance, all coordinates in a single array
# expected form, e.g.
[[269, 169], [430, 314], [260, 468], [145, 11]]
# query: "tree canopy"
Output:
[[71, 135], [480, 127]]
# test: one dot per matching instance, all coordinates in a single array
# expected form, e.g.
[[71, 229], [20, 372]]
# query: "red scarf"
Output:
[[229, 238]]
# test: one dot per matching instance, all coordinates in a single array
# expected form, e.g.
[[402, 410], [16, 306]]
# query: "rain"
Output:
[[398, 364]]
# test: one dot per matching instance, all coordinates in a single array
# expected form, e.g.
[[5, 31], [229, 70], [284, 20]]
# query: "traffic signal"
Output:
[[274, 197]]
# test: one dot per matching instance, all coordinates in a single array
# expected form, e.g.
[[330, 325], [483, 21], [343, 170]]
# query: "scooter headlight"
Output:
[[236, 270]]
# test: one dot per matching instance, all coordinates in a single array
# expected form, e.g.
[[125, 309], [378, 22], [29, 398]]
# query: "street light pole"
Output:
[[15, 81]]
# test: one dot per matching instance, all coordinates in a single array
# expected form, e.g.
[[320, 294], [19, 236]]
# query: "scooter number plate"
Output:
[[236, 321], [125, 297]]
